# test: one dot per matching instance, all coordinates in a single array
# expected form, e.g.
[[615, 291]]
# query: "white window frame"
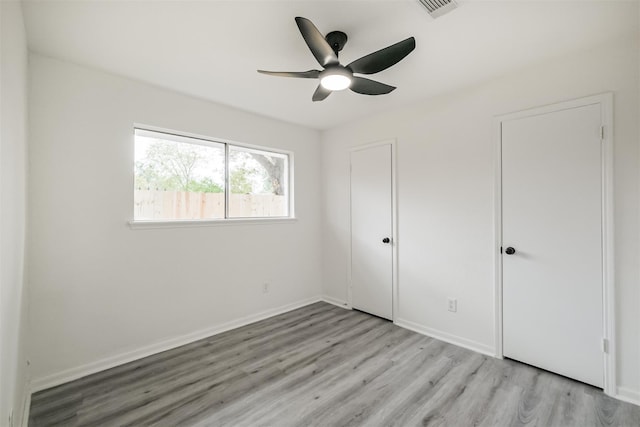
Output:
[[180, 223]]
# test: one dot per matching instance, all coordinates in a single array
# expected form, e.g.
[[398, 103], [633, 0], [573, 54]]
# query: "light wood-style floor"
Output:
[[325, 366]]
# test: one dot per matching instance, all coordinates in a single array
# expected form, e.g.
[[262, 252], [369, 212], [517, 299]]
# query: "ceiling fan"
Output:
[[339, 77]]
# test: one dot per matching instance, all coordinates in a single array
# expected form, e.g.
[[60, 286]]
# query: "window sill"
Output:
[[150, 224]]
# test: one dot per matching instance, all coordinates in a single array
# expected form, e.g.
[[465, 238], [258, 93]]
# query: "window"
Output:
[[185, 178]]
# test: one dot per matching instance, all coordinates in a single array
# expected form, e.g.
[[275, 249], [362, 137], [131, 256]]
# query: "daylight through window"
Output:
[[184, 178]]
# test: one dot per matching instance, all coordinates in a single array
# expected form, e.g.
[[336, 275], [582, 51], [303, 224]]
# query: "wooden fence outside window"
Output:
[[162, 205]]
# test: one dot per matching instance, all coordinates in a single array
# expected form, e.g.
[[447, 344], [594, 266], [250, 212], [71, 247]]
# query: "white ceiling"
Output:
[[211, 49]]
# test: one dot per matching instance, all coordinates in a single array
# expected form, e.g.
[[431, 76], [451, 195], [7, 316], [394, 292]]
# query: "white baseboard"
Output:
[[168, 344], [335, 301], [447, 337], [627, 395]]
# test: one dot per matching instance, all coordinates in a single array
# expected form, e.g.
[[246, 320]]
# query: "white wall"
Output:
[[100, 290], [13, 146], [446, 201]]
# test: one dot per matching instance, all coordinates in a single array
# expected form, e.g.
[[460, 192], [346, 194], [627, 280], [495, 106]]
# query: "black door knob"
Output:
[[386, 240], [510, 251]]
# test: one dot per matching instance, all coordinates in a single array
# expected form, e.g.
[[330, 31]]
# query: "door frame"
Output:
[[394, 226], [605, 101]]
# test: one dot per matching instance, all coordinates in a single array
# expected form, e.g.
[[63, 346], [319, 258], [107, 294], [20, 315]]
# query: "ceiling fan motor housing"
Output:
[[337, 40]]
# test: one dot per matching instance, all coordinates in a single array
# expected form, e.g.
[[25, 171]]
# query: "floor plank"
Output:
[[322, 365]]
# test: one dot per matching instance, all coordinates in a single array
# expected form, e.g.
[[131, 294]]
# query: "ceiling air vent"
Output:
[[438, 7]]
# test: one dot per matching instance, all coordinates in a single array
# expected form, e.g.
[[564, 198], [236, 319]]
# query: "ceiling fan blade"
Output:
[[320, 93], [369, 87], [311, 74], [383, 58], [316, 42]]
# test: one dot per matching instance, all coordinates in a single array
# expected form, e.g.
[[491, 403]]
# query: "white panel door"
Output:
[[371, 231], [552, 218]]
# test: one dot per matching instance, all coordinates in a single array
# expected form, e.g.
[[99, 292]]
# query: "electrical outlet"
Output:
[[452, 304], [265, 288]]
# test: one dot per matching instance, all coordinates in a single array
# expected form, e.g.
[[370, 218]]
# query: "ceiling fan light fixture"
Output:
[[336, 76], [335, 82], [335, 79]]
